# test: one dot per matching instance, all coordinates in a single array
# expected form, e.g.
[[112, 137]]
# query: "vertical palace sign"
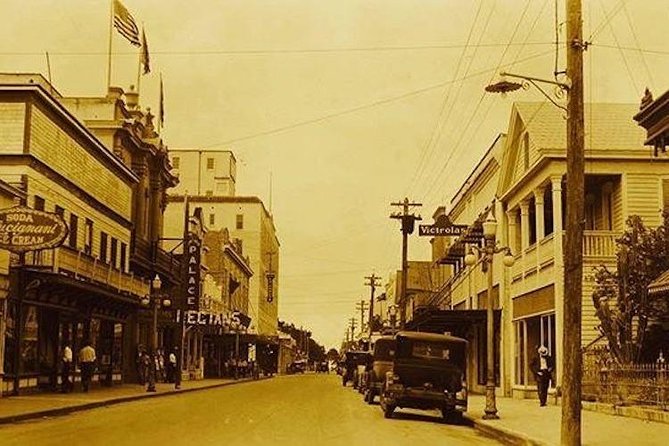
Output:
[[24, 229], [193, 272]]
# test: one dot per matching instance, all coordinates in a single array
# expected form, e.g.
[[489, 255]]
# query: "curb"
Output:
[[502, 434], [59, 411]]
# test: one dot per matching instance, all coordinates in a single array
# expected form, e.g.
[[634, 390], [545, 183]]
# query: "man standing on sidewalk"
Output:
[[87, 361], [542, 367], [66, 384]]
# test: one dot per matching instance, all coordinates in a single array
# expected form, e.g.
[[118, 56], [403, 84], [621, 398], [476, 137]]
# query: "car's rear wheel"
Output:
[[369, 396], [388, 411]]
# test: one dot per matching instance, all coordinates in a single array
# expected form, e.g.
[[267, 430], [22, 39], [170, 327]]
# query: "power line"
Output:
[[636, 42], [607, 19], [622, 54], [195, 52], [365, 106]]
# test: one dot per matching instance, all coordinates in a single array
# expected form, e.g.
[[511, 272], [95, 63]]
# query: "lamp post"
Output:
[[488, 251], [154, 299]]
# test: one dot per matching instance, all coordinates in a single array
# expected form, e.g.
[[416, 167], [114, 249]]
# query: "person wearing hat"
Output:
[[542, 367]]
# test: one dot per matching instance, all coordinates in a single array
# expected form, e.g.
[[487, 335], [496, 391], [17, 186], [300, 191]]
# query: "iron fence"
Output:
[[606, 381]]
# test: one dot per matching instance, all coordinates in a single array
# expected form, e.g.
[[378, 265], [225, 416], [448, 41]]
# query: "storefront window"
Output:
[[10, 338], [531, 333], [29, 346], [117, 349]]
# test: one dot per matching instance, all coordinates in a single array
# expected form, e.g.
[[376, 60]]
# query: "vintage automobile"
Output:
[[382, 362], [355, 361], [297, 366], [428, 372]]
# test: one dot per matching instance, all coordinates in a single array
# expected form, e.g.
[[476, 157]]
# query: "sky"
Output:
[[347, 105]]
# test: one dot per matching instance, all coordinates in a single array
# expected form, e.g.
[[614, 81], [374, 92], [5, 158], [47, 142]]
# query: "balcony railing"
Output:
[[599, 243], [165, 262], [84, 267]]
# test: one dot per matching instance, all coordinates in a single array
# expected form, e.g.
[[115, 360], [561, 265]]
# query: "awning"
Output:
[[456, 322], [660, 285]]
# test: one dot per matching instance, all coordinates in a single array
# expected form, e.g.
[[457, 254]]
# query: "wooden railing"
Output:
[[84, 267], [599, 243]]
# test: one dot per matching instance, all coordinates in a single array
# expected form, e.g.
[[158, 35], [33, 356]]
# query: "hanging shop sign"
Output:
[[193, 272], [24, 229], [442, 227]]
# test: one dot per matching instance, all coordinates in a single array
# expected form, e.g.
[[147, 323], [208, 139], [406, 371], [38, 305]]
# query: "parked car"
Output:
[[428, 372], [382, 362], [354, 360], [298, 366]]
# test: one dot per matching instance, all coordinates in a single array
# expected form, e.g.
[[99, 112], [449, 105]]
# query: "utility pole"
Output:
[[372, 284], [352, 325], [408, 222], [362, 306], [573, 256]]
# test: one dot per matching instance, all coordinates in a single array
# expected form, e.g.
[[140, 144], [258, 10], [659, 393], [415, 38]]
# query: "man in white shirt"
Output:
[[66, 384], [87, 362], [542, 367]]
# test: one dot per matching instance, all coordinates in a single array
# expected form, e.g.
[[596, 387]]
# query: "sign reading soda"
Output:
[[24, 229]]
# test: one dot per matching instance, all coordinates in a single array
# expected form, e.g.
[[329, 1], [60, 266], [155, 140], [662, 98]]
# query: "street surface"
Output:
[[292, 410]]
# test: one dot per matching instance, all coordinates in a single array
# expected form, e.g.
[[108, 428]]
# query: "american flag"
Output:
[[125, 23]]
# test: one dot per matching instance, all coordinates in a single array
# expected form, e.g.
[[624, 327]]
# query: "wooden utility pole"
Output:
[[408, 221], [362, 307], [372, 284], [352, 325], [573, 255]]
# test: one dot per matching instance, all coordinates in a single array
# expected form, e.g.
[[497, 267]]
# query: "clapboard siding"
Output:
[[643, 197]]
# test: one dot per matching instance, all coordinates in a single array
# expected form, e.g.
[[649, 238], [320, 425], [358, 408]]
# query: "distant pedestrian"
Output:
[[66, 362], [542, 367], [172, 366], [140, 362], [177, 367], [87, 361]]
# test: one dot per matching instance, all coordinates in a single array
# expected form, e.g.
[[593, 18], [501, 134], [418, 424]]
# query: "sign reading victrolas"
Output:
[[441, 227], [24, 229]]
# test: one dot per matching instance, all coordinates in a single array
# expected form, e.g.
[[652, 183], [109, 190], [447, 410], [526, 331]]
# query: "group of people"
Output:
[[164, 366], [87, 360], [240, 368]]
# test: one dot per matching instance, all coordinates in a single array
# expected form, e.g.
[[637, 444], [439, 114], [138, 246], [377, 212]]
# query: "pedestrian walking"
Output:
[[66, 362], [171, 366], [87, 361], [542, 367], [177, 367], [140, 363]]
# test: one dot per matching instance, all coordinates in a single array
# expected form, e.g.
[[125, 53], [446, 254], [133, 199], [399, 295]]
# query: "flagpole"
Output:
[[139, 62], [109, 51]]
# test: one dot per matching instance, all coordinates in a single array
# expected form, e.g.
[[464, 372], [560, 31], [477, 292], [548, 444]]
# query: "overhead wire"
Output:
[[427, 146], [360, 107], [456, 147], [607, 19], [620, 51], [636, 42]]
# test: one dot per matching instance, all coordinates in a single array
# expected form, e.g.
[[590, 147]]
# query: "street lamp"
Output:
[[488, 251], [155, 301]]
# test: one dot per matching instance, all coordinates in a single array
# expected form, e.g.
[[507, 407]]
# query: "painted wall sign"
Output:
[[193, 273], [442, 227], [24, 229]]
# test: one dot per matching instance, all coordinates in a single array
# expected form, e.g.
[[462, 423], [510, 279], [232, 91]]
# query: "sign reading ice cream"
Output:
[[25, 229]]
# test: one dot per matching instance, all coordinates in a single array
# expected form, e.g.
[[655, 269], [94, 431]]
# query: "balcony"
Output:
[[83, 267], [143, 254], [600, 243]]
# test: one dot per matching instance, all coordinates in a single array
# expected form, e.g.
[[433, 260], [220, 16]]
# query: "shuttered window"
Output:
[[665, 194]]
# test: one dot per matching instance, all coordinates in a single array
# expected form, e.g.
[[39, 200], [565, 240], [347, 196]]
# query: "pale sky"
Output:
[[349, 104]]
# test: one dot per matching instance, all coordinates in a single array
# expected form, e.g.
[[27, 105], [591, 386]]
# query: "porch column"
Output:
[[511, 217], [539, 223], [524, 231], [558, 262], [506, 333]]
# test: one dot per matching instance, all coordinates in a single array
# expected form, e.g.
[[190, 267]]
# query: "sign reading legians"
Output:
[[24, 229], [441, 227]]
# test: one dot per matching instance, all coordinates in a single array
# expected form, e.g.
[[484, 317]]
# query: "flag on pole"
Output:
[[145, 54], [125, 23], [161, 109]]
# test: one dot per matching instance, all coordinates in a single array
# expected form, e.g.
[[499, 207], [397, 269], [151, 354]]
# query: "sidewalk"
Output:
[[523, 422], [38, 405]]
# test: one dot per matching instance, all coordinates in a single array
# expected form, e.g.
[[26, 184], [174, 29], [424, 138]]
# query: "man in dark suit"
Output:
[[542, 367]]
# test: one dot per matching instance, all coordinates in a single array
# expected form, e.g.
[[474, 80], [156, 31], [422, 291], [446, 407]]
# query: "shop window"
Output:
[[210, 163], [530, 334], [175, 162], [39, 203], [124, 253], [74, 230], [29, 340], [114, 252], [519, 353], [10, 338], [240, 221], [88, 237], [103, 247]]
